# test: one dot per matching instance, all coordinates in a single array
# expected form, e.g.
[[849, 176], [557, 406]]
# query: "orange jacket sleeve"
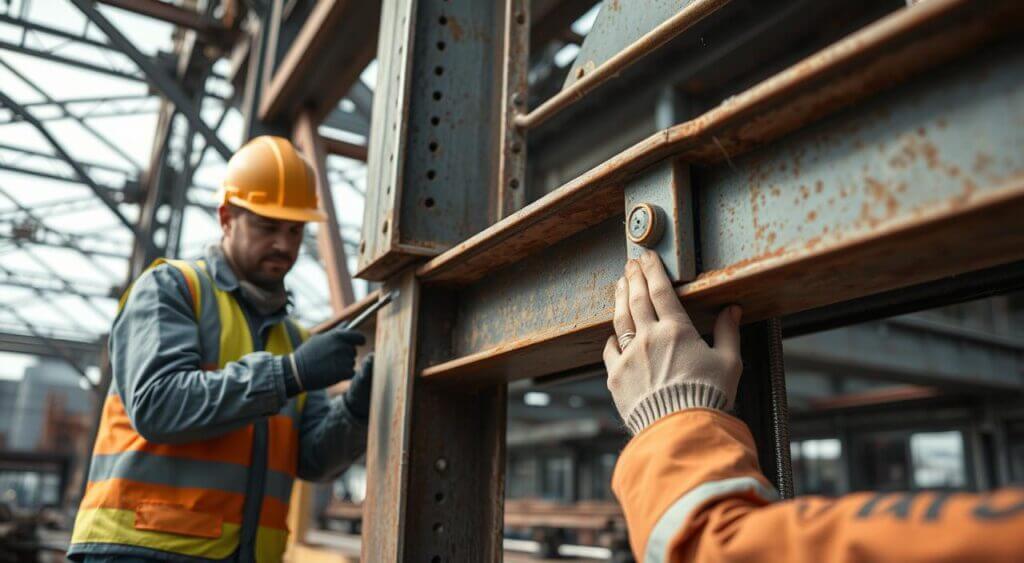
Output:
[[691, 490]]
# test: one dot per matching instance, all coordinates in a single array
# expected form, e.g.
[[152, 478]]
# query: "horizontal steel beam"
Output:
[[77, 63], [181, 17], [331, 50], [344, 148], [906, 352], [877, 57], [87, 352], [887, 194]]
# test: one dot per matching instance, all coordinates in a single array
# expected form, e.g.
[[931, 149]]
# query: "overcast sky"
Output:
[[132, 136]]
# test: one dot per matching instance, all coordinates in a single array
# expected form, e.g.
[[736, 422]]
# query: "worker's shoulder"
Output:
[[164, 278]]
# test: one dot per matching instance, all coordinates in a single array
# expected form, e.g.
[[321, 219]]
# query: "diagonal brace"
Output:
[[80, 172], [155, 76]]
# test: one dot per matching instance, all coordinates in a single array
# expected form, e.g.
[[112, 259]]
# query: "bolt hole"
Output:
[[432, 146], [431, 174], [437, 95], [442, 20], [362, 246], [438, 498], [441, 45], [438, 528], [388, 191], [439, 70], [428, 203], [435, 559], [513, 183], [516, 148], [384, 229], [520, 18], [435, 120], [580, 72]]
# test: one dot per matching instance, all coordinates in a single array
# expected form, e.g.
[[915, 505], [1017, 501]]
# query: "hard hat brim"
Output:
[[272, 211]]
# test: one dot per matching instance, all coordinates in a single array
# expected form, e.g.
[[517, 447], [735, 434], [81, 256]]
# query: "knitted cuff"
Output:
[[667, 400]]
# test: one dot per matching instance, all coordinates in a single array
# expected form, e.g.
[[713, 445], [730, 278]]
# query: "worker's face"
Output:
[[263, 249]]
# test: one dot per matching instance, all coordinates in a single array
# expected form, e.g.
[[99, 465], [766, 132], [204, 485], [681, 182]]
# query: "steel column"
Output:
[[332, 251], [436, 456]]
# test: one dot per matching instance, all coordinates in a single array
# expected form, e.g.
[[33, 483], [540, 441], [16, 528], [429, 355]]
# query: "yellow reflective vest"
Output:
[[190, 499]]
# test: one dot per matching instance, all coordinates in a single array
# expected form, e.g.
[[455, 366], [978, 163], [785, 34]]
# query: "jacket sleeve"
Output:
[[330, 437], [691, 490], [156, 367]]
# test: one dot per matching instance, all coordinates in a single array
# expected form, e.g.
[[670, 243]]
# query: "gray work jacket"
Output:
[[170, 398]]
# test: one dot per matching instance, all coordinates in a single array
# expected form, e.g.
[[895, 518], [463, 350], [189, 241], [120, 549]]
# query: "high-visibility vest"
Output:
[[188, 498]]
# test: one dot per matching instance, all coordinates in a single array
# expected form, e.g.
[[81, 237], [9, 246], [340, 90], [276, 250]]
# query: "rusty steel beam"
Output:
[[181, 17], [879, 56], [686, 18], [338, 147], [332, 251], [433, 452], [333, 47], [899, 184]]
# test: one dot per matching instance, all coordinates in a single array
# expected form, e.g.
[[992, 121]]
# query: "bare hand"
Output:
[[667, 350]]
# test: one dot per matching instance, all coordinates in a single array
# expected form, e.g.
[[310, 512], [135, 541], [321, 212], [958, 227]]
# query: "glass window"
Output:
[[938, 459], [555, 478], [817, 466]]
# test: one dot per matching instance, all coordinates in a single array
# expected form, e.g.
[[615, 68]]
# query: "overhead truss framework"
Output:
[[112, 215]]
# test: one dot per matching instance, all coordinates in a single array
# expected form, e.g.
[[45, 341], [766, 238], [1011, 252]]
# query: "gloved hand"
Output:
[[322, 361], [663, 365], [357, 398]]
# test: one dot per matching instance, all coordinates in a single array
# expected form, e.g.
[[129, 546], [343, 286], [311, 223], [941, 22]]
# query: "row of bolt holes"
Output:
[[441, 465], [435, 120], [428, 202]]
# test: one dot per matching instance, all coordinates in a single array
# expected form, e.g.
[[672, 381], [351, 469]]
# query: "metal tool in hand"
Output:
[[369, 311]]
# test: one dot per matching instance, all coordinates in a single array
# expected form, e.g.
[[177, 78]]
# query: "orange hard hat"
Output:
[[270, 178]]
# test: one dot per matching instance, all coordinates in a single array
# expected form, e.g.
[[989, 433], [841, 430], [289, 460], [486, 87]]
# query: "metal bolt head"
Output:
[[644, 224]]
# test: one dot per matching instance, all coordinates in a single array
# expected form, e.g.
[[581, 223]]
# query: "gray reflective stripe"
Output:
[[171, 471], [679, 513], [279, 485]]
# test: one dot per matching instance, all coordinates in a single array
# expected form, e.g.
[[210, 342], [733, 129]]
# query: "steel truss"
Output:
[[147, 199]]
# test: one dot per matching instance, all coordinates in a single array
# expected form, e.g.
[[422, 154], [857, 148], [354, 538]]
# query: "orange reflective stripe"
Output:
[[160, 517], [284, 445], [117, 435], [129, 495]]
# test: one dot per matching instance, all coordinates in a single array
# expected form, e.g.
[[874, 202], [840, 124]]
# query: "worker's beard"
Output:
[[265, 292]]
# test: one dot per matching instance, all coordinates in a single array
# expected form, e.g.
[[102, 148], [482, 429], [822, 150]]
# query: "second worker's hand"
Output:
[[657, 361], [324, 359]]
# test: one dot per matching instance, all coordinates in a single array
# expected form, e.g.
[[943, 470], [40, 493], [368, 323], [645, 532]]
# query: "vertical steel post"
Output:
[[436, 455], [332, 250]]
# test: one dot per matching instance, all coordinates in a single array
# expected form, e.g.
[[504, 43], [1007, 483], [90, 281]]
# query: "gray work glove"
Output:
[[357, 398], [322, 361]]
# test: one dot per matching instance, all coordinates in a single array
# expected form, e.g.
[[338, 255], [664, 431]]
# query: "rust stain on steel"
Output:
[[457, 32], [877, 57], [973, 231]]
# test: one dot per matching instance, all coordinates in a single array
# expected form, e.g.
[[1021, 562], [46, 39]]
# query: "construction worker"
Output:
[[689, 481], [214, 407]]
